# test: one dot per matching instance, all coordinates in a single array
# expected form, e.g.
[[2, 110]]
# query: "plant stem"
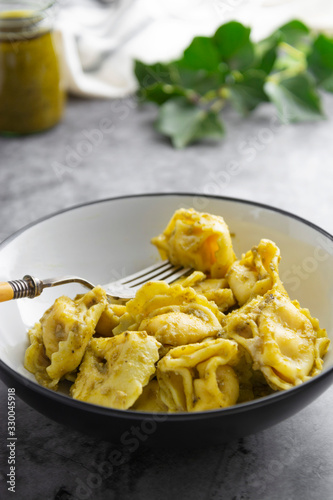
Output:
[[217, 105], [287, 73], [292, 51]]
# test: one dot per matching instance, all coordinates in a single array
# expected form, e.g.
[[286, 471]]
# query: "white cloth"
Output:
[[157, 30]]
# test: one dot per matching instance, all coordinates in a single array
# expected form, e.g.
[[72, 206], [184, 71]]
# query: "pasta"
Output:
[[199, 376], [255, 273], [59, 341], [197, 240], [175, 315], [281, 340], [224, 334], [114, 370]]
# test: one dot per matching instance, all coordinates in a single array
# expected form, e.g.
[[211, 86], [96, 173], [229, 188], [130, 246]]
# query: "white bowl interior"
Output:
[[106, 240]]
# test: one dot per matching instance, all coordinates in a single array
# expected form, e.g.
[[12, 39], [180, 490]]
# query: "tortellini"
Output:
[[256, 272], [197, 240], [224, 334], [283, 341], [63, 335], [36, 360], [214, 289], [199, 376], [114, 370], [174, 315]]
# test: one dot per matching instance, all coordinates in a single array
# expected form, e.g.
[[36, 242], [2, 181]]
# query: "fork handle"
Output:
[[17, 289], [6, 291]]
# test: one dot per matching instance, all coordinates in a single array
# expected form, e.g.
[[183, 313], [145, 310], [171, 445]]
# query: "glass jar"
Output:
[[31, 89]]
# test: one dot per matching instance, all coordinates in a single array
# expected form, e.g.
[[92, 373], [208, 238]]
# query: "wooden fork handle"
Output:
[[6, 291], [17, 289]]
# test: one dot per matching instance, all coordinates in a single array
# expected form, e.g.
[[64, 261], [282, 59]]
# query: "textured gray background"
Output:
[[286, 166]]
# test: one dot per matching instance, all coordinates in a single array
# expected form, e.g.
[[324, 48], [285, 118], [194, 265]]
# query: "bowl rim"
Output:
[[265, 206], [139, 415]]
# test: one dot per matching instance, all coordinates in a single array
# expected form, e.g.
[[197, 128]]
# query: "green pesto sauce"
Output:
[[31, 94]]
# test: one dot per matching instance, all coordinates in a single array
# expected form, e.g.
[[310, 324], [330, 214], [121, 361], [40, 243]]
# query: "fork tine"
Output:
[[168, 277], [157, 276], [162, 271], [176, 275], [127, 287], [145, 273], [150, 276]]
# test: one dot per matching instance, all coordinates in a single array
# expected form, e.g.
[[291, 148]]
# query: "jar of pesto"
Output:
[[31, 89]]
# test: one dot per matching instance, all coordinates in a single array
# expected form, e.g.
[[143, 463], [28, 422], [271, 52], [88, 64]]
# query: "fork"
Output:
[[124, 288]]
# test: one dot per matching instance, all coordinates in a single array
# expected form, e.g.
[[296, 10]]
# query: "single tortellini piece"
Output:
[[197, 240], [199, 376], [67, 326], [174, 315], [36, 360], [217, 385], [285, 343], [114, 370], [256, 272], [322, 342]]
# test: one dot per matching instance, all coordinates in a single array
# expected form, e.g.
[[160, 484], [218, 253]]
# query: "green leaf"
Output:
[[233, 43], [294, 33], [159, 93], [266, 52], [202, 54], [295, 98], [148, 74], [248, 91], [320, 62], [294, 42], [199, 81], [185, 123], [285, 68]]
